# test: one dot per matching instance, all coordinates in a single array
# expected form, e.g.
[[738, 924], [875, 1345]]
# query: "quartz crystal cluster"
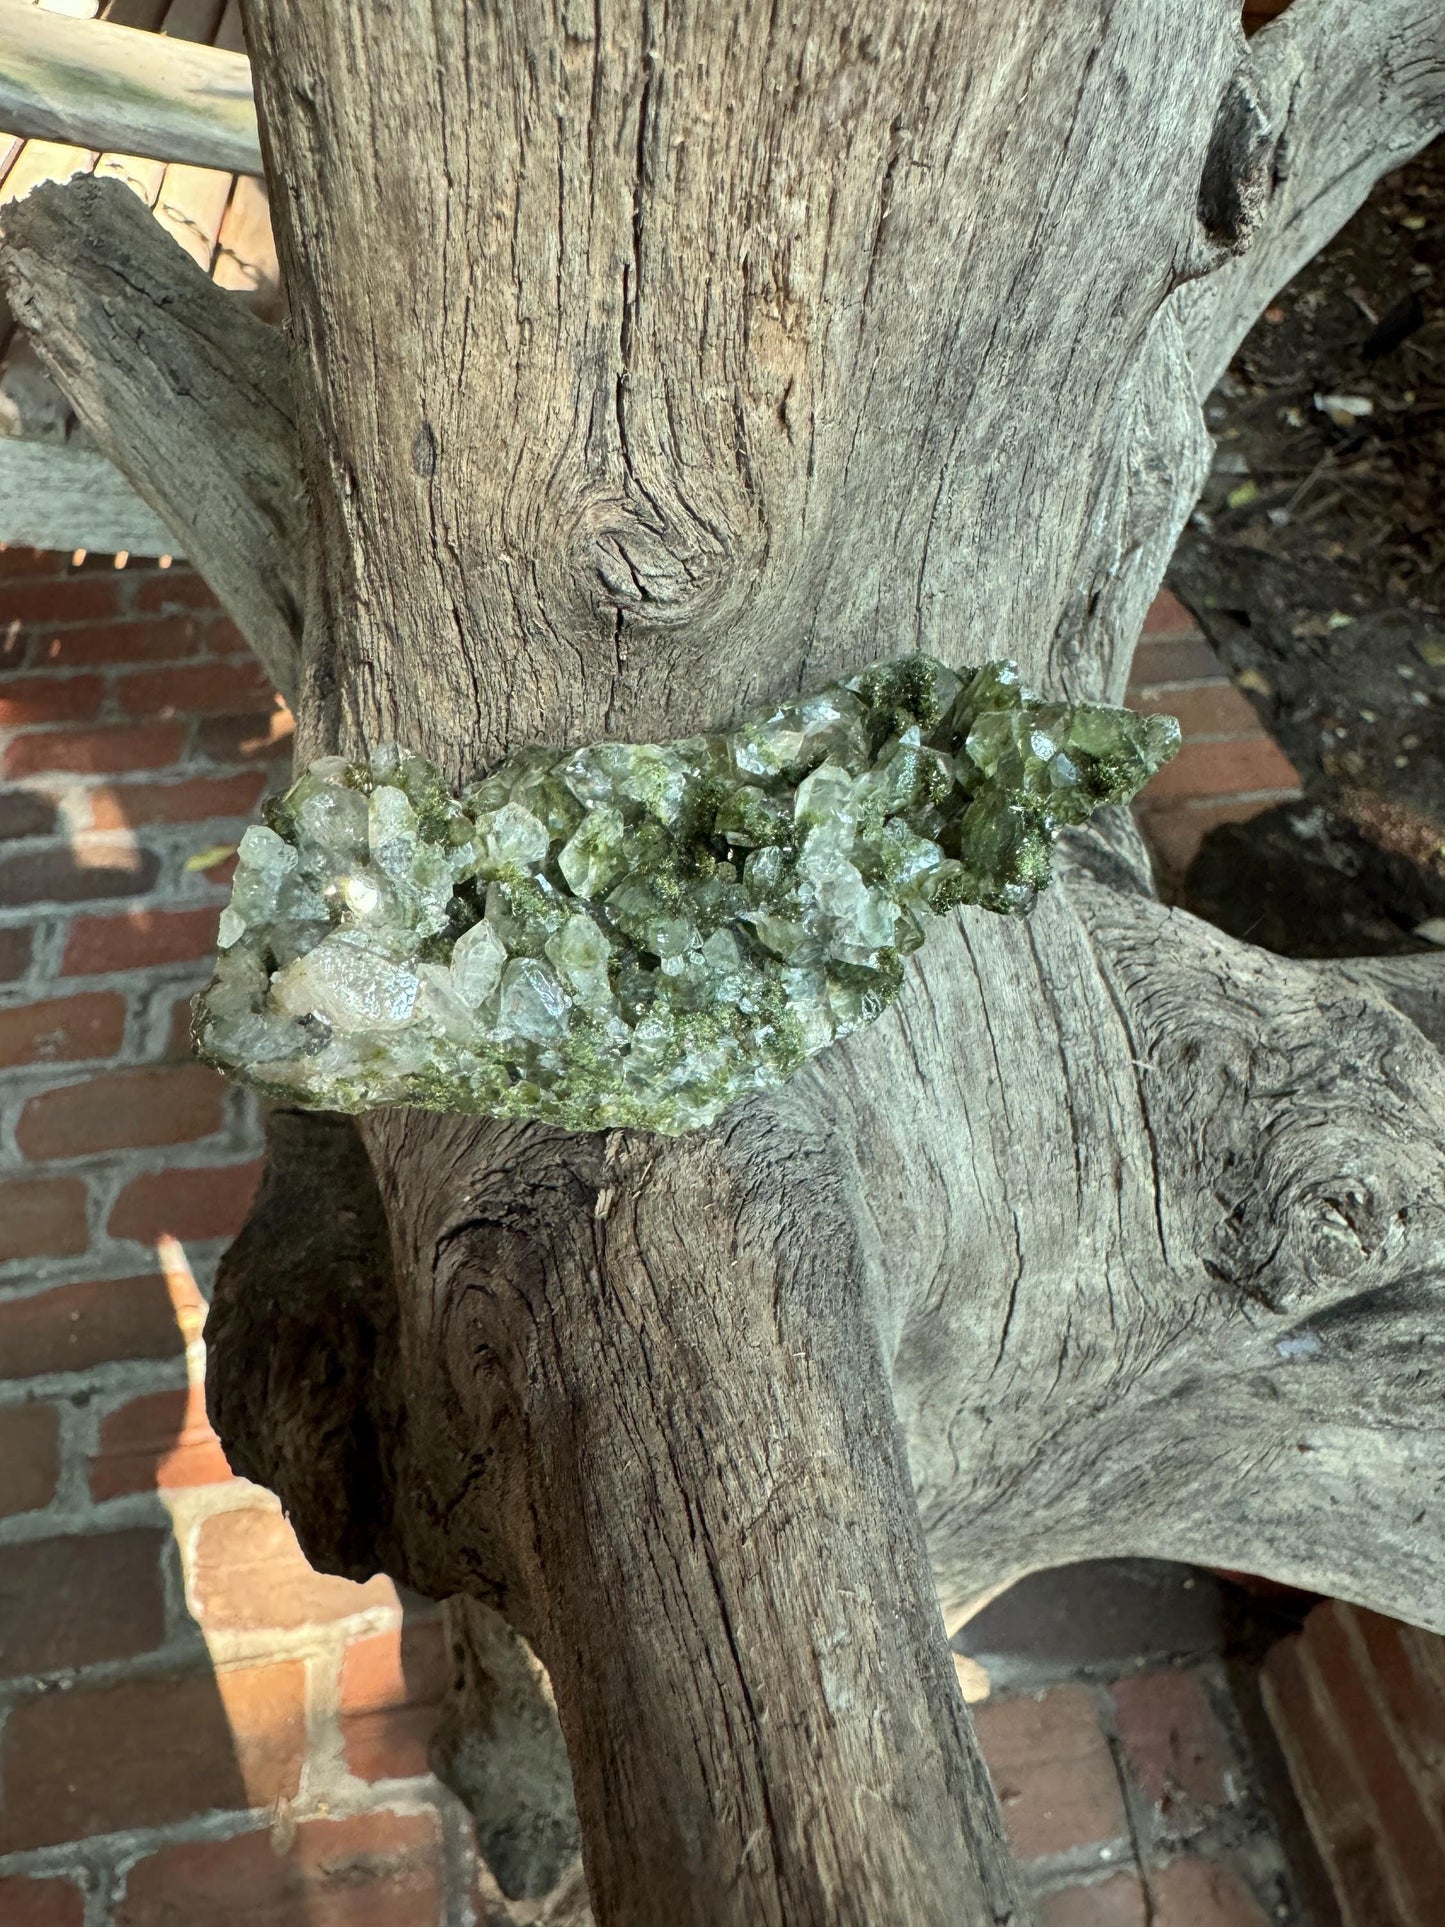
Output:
[[637, 933]]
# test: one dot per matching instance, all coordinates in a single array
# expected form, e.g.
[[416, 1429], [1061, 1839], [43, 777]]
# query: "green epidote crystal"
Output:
[[638, 933]]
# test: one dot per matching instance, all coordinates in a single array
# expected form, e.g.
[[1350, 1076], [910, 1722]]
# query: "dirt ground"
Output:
[[1316, 565]]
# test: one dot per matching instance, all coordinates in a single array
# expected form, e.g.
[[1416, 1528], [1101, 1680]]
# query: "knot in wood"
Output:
[[1238, 177], [665, 569], [1341, 1223], [1328, 1220]]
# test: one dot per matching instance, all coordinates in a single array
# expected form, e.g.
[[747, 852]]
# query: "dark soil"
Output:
[[1316, 565]]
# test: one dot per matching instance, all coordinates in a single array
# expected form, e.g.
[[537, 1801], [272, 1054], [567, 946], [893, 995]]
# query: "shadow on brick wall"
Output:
[[198, 1729]]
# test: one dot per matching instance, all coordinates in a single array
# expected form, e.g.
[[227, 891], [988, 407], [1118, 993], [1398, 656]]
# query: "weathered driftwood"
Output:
[[106, 87], [183, 389], [734, 350]]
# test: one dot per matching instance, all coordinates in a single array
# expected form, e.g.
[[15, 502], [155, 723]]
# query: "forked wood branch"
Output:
[[741, 349]]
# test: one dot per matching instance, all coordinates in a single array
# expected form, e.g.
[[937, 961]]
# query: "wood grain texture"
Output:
[[103, 86], [650, 359], [676, 327], [182, 388]]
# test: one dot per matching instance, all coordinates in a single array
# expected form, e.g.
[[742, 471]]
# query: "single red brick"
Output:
[[174, 589], [104, 751], [1168, 616], [168, 639], [156, 1443], [42, 1218], [1052, 1771], [225, 639], [1253, 766], [1200, 1893], [1411, 1686], [84, 870], [77, 1601], [139, 940], [1185, 660], [77, 1327], [29, 1457], [1214, 712], [28, 700], [392, 1686], [1175, 831], [68, 598], [62, 1029], [14, 954], [192, 800], [196, 689], [1174, 1743], [1405, 1822], [26, 813], [209, 1202], [41, 1903], [1360, 1878], [122, 1110], [374, 1870], [17, 560], [1325, 1777], [250, 1573], [1115, 1902], [150, 1752], [260, 738]]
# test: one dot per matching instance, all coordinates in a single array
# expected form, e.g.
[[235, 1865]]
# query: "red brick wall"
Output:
[[195, 1728], [1132, 1802], [1359, 1704], [1228, 769]]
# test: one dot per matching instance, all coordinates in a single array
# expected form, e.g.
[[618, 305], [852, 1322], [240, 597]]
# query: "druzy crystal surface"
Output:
[[635, 933]]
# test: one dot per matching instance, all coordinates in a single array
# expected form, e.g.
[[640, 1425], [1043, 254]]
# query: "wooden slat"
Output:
[[230, 34], [193, 19], [190, 205], [41, 160], [192, 200], [246, 251], [57, 497], [115, 87], [142, 177], [147, 14]]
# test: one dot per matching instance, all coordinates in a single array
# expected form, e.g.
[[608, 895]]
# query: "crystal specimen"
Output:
[[638, 934]]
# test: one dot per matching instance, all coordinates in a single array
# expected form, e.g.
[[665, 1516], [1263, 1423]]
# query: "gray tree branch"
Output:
[[181, 386], [1344, 94]]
